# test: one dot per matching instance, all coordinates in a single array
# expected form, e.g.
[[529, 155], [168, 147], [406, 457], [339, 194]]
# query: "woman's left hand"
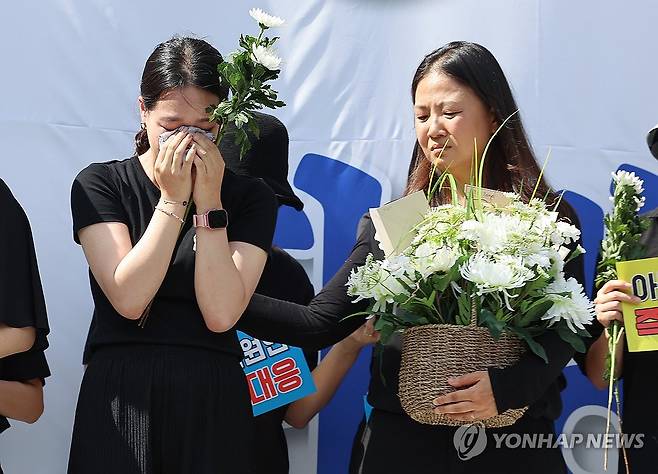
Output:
[[472, 401], [209, 166]]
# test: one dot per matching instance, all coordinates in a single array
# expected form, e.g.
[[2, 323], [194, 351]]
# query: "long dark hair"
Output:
[[177, 63], [510, 164]]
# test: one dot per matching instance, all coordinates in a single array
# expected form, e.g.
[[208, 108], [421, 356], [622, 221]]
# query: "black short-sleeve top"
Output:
[[21, 295], [121, 191]]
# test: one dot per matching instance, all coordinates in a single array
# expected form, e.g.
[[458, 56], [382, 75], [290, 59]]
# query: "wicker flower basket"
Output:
[[433, 353]]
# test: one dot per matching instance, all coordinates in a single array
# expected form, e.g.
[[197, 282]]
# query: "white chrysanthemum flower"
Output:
[[570, 303], [564, 233], [492, 233], [266, 57], [265, 19], [397, 266], [428, 259], [640, 202], [624, 178], [374, 280], [491, 275], [542, 259]]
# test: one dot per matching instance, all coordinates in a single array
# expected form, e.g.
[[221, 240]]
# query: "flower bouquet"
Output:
[[246, 73], [623, 231], [474, 289]]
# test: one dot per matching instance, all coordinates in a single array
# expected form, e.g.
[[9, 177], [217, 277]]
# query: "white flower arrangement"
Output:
[[508, 261], [246, 74]]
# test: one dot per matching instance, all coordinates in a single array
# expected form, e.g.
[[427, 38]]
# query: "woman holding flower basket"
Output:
[[461, 100], [176, 245]]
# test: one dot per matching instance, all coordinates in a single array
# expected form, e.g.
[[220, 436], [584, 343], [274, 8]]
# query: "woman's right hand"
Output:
[[173, 167], [609, 299]]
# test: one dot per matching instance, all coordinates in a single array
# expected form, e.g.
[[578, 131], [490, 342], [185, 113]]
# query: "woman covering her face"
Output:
[[23, 321], [460, 97], [163, 391]]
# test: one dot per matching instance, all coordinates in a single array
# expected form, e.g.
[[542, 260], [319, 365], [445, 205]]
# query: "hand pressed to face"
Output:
[[209, 166], [450, 114], [173, 166], [473, 400], [186, 106]]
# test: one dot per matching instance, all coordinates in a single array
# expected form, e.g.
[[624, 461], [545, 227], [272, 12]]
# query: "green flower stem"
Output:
[[613, 385]]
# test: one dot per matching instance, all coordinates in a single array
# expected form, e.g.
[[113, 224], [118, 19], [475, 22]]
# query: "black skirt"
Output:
[[392, 443], [162, 410]]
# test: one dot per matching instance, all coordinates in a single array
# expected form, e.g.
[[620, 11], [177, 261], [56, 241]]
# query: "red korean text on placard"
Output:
[[268, 382]]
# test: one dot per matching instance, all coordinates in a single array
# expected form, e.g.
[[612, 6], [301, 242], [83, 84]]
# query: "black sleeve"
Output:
[[95, 198], [25, 366], [320, 324], [525, 382], [256, 219], [21, 295]]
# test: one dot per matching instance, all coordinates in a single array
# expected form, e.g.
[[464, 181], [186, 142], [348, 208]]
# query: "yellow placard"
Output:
[[641, 320]]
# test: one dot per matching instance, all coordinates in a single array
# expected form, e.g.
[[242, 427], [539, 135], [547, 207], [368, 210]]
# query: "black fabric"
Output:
[[120, 191], [531, 381], [418, 448], [283, 278], [640, 384], [158, 409], [21, 295], [266, 159]]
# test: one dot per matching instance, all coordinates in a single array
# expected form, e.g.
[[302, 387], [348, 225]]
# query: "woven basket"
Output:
[[433, 353]]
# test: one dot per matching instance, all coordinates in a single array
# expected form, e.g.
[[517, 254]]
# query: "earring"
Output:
[[143, 126]]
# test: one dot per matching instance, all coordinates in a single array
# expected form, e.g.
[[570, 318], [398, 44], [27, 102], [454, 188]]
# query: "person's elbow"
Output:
[[128, 309], [597, 380], [297, 420], [33, 415], [33, 400], [221, 318], [219, 324]]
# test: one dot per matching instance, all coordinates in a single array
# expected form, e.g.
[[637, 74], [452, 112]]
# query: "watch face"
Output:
[[217, 219]]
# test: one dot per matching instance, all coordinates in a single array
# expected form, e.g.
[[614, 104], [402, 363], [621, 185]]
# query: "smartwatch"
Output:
[[213, 219]]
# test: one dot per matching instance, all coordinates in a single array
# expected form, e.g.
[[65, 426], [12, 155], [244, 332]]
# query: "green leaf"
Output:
[[488, 319], [534, 346], [534, 312], [571, 337]]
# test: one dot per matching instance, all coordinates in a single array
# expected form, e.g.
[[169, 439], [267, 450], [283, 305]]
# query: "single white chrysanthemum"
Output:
[[624, 178], [374, 280], [570, 303], [269, 21], [428, 259], [492, 233], [491, 275], [564, 233], [266, 57]]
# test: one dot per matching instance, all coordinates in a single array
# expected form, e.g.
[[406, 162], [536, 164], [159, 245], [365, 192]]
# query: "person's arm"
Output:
[[330, 373], [225, 274], [131, 276], [321, 323], [608, 308], [21, 401], [15, 340]]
